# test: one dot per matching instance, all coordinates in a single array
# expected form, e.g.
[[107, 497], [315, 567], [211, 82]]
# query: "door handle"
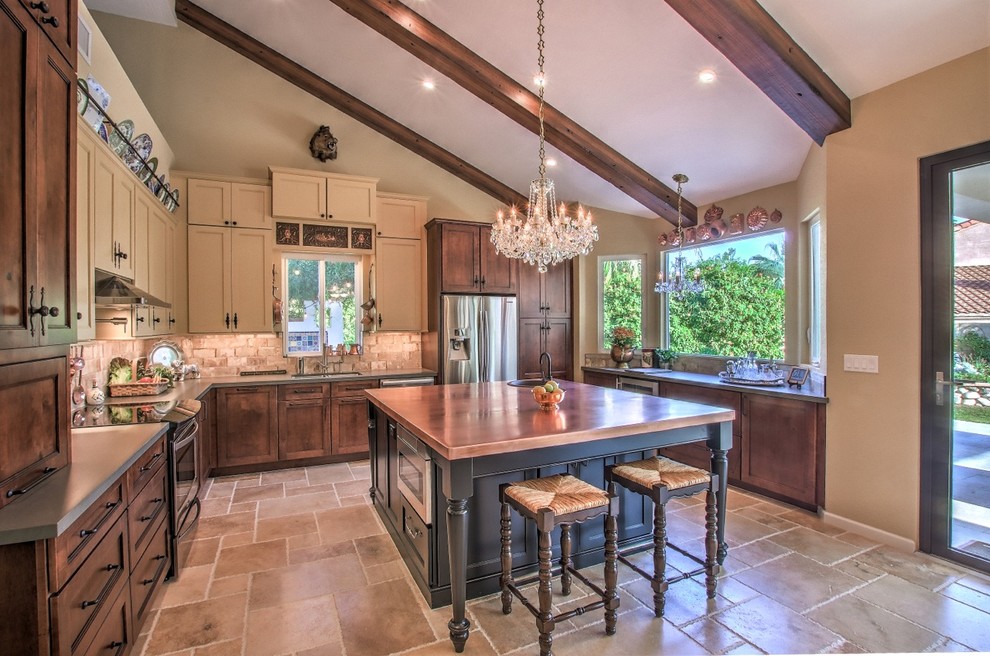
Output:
[[226, 320], [940, 387]]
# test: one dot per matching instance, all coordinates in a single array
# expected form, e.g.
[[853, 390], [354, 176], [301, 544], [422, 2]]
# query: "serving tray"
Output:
[[726, 378]]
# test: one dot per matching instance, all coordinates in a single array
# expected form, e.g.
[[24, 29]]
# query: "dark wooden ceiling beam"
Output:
[[759, 47], [446, 55], [259, 53]]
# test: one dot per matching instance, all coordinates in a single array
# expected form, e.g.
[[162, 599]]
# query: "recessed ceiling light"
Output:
[[551, 161], [707, 76], [429, 84]]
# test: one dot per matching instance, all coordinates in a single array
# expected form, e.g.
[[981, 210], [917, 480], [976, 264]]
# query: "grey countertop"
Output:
[[810, 391], [99, 457]]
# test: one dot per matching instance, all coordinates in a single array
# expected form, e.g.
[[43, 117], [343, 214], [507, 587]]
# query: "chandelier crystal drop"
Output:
[[678, 282], [546, 235]]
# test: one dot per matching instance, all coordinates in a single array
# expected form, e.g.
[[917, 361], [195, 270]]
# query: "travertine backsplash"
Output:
[[228, 355]]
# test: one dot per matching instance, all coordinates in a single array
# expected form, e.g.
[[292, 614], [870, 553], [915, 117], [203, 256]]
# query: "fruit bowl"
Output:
[[548, 400]]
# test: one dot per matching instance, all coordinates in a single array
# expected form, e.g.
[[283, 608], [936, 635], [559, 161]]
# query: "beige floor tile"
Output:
[[770, 520], [228, 648], [327, 649], [268, 508], [774, 628], [386, 572], [198, 624], [257, 493], [872, 628], [329, 474], [291, 627], [321, 551], [811, 520], [859, 569], [477, 644], [797, 582], [976, 582], [303, 540], [324, 488], [210, 527], [352, 489], [247, 506], [964, 624], [684, 602], [844, 647], [360, 470], [506, 632], [742, 530], [918, 568], [711, 635], [638, 632], [220, 489], [347, 523], [237, 539], [376, 549], [214, 507], [381, 619], [283, 476], [355, 501], [951, 647], [229, 585], [283, 527], [202, 552], [856, 539], [195, 581], [816, 546], [248, 558], [735, 591], [759, 551], [305, 580], [738, 499]]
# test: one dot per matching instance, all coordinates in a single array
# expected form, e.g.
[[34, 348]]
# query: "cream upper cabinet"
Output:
[[229, 285], [219, 202], [399, 281], [140, 225], [85, 234], [114, 189], [315, 196], [401, 216]]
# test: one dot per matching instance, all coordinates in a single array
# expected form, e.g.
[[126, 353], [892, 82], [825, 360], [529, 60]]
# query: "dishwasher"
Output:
[[638, 385], [407, 382]]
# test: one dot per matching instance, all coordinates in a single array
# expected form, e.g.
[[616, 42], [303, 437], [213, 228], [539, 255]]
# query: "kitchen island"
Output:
[[450, 446]]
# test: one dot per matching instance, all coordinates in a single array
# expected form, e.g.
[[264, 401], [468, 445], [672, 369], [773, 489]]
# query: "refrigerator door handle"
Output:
[[483, 350]]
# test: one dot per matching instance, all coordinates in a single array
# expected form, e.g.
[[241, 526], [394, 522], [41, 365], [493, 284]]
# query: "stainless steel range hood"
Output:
[[114, 290]]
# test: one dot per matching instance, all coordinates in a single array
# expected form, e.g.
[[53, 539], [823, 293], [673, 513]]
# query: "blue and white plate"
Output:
[[141, 151], [102, 98], [120, 137]]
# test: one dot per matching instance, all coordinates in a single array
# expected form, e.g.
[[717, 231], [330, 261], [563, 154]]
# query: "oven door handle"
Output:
[[190, 430], [414, 449], [188, 525]]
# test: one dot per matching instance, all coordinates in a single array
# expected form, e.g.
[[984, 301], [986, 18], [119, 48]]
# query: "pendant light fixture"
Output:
[[546, 235], [678, 283]]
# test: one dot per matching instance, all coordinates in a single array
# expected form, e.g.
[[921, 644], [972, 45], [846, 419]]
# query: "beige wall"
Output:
[[226, 115], [873, 296], [125, 103]]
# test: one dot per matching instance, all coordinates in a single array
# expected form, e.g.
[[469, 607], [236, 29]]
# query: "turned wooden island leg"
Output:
[[457, 548], [720, 467]]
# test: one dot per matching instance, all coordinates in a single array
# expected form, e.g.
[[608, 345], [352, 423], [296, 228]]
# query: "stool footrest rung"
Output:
[[523, 600], [600, 603]]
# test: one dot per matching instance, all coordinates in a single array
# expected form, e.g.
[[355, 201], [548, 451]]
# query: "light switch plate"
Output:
[[866, 364]]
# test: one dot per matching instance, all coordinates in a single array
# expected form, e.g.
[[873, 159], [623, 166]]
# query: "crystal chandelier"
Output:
[[546, 235], [678, 283]]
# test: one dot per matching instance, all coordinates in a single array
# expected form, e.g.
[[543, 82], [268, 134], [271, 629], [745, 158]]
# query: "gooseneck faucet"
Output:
[[545, 373]]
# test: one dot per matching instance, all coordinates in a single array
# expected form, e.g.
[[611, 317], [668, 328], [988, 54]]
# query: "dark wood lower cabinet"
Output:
[[247, 425], [350, 424], [697, 455], [303, 428]]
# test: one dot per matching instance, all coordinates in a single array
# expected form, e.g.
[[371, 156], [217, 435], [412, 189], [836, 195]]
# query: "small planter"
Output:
[[621, 356]]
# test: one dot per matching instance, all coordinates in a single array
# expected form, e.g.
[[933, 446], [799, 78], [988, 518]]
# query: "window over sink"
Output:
[[322, 295], [742, 306]]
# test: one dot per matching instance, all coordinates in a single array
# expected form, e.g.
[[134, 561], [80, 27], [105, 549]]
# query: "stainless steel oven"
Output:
[[415, 474], [183, 466]]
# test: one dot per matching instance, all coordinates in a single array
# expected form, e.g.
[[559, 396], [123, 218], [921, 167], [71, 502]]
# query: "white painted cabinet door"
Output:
[[297, 196], [140, 259], [250, 278], [123, 222], [401, 217], [399, 283], [351, 200], [209, 202], [85, 238], [251, 206], [209, 279]]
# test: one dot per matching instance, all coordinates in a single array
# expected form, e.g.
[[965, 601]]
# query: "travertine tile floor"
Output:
[[297, 562]]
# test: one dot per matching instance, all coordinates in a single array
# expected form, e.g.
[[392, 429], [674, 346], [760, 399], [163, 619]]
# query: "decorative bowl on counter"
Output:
[[548, 401]]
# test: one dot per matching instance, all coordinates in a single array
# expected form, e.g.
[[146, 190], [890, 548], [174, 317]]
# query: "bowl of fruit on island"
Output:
[[548, 395]]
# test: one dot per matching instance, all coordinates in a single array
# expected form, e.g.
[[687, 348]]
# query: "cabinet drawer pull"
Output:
[[116, 644], [159, 557], [112, 504], [112, 566], [147, 581], [87, 532], [144, 518], [40, 6], [414, 533], [51, 20], [22, 490], [87, 604], [152, 461]]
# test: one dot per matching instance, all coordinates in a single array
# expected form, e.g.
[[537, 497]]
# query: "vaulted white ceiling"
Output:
[[625, 70]]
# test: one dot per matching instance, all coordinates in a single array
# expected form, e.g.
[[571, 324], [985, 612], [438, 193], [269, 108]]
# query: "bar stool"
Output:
[[663, 479], [559, 500]]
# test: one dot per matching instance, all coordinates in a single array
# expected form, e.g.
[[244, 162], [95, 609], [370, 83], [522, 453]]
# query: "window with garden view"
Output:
[[322, 296], [620, 282], [742, 306]]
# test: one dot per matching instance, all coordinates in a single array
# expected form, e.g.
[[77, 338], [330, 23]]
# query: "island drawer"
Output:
[[96, 582], [72, 547], [351, 387], [145, 468], [145, 510], [115, 635], [303, 391], [415, 533], [149, 570]]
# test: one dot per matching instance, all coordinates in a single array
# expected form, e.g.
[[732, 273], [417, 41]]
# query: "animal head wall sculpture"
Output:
[[323, 145]]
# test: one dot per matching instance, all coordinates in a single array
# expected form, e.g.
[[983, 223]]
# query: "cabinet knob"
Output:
[[156, 320], [226, 320], [234, 222], [51, 20], [329, 216], [235, 321], [40, 6], [139, 319], [323, 216], [226, 222], [171, 320]]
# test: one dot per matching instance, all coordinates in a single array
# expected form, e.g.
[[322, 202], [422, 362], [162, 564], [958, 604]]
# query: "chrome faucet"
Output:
[[324, 366], [545, 373]]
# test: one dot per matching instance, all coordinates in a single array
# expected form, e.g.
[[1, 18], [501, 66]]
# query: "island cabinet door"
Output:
[[782, 447], [378, 447], [303, 428], [484, 540], [247, 426]]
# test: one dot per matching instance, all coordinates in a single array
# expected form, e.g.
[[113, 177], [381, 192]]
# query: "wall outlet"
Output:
[[864, 364]]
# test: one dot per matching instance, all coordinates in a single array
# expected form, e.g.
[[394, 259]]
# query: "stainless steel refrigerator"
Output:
[[478, 338]]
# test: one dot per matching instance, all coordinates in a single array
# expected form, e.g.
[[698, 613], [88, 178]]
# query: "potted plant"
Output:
[[664, 358], [623, 340]]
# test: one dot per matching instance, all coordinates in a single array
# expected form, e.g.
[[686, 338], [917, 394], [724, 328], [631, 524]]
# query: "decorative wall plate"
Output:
[[714, 213], [149, 170], [757, 218], [704, 232], [776, 216], [120, 136], [165, 353], [736, 223], [662, 239], [142, 144]]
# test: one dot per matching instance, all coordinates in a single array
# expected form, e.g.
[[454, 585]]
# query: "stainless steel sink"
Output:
[[526, 382], [329, 376]]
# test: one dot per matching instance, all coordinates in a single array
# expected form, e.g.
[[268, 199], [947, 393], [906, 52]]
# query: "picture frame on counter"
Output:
[[797, 377]]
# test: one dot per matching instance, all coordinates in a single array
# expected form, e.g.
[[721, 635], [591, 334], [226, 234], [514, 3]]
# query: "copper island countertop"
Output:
[[483, 419]]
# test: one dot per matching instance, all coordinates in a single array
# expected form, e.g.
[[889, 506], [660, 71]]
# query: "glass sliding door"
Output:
[[955, 384]]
